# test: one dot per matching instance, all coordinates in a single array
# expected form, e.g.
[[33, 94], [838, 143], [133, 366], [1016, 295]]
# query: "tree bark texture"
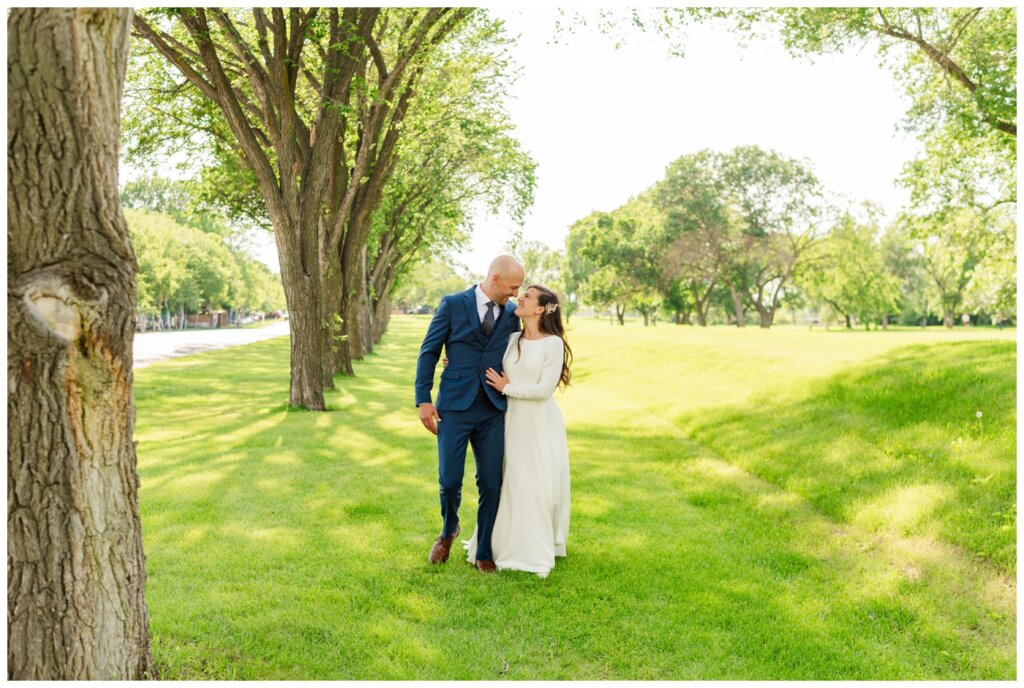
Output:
[[356, 303], [75, 564], [302, 291], [336, 358]]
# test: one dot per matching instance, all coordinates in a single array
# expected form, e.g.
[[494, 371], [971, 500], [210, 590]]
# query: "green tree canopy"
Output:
[[850, 273], [184, 268]]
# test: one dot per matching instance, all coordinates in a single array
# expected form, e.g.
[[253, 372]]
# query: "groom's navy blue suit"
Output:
[[471, 411]]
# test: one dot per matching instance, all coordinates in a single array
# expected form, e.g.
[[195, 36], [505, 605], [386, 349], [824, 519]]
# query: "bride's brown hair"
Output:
[[551, 323]]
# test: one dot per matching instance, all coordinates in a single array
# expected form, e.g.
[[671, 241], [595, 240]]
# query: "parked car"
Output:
[[272, 314], [419, 310]]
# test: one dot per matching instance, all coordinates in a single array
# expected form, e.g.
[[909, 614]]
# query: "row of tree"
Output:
[[746, 229], [362, 137]]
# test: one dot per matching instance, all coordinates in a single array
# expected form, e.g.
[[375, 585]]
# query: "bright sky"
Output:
[[603, 124]]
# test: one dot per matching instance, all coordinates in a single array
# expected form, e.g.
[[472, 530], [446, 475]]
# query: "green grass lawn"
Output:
[[780, 504]]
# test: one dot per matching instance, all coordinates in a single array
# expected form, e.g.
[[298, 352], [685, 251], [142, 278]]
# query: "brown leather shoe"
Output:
[[486, 565], [443, 547]]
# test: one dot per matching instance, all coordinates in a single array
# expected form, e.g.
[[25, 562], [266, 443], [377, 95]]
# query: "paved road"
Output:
[[151, 347]]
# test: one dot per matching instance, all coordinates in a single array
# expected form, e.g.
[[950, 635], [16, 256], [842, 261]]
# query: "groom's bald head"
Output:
[[507, 267], [504, 278]]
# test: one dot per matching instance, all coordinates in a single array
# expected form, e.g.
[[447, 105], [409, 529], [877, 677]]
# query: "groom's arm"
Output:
[[430, 351]]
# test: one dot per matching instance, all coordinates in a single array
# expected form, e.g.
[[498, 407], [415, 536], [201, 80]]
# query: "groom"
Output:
[[473, 327]]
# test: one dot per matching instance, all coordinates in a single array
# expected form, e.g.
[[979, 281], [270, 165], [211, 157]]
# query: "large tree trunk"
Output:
[[300, 277], [331, 324], [381, 316], [701, 304], [366, 311], [334, 331], [382, 279], [356, 302], [307, 374], [766, 316], [75, 565], [337, 356], [737, 304], [336, 335], [702, 311]]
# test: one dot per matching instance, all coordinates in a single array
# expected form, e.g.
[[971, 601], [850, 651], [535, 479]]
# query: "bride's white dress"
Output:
[[532, 523]]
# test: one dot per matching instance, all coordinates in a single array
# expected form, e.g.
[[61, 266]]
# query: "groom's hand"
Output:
[[429, 417]]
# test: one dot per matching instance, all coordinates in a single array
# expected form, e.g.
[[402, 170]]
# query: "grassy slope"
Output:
[[757, 504]]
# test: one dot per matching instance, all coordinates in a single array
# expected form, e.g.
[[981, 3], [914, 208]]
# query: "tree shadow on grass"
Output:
[[894, 446], [293, 545], [774, 587]]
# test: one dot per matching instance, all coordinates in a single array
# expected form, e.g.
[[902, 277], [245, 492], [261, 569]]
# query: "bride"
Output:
[[532, 523]]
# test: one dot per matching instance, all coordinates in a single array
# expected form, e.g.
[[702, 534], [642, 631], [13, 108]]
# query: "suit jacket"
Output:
[[456, 327]]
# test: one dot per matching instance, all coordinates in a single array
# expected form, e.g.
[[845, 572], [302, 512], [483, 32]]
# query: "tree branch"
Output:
[[177, 59], [965, 21], [949, 66], [224, 95], [258, 76], [378, 60], [260, 20]]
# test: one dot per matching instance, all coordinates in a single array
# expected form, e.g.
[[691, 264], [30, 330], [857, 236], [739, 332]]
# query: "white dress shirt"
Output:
[[481, 305]]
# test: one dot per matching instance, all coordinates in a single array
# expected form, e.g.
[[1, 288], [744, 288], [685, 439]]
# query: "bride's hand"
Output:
[[498, 382]]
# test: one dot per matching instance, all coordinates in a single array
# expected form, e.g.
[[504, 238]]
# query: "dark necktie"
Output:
[[488, 324]]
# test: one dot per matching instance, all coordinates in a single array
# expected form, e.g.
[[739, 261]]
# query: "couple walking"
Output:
[[495, 395]]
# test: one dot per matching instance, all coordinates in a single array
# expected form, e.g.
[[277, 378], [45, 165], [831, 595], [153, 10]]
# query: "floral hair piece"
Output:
[[550, 308]]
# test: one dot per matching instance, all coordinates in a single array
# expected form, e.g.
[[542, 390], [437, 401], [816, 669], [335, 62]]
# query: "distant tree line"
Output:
[[730, 236]]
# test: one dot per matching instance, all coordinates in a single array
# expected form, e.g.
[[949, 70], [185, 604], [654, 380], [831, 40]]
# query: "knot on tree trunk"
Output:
[[60, 307]]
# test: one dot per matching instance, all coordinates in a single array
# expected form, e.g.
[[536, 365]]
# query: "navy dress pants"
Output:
[[482, 426]]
